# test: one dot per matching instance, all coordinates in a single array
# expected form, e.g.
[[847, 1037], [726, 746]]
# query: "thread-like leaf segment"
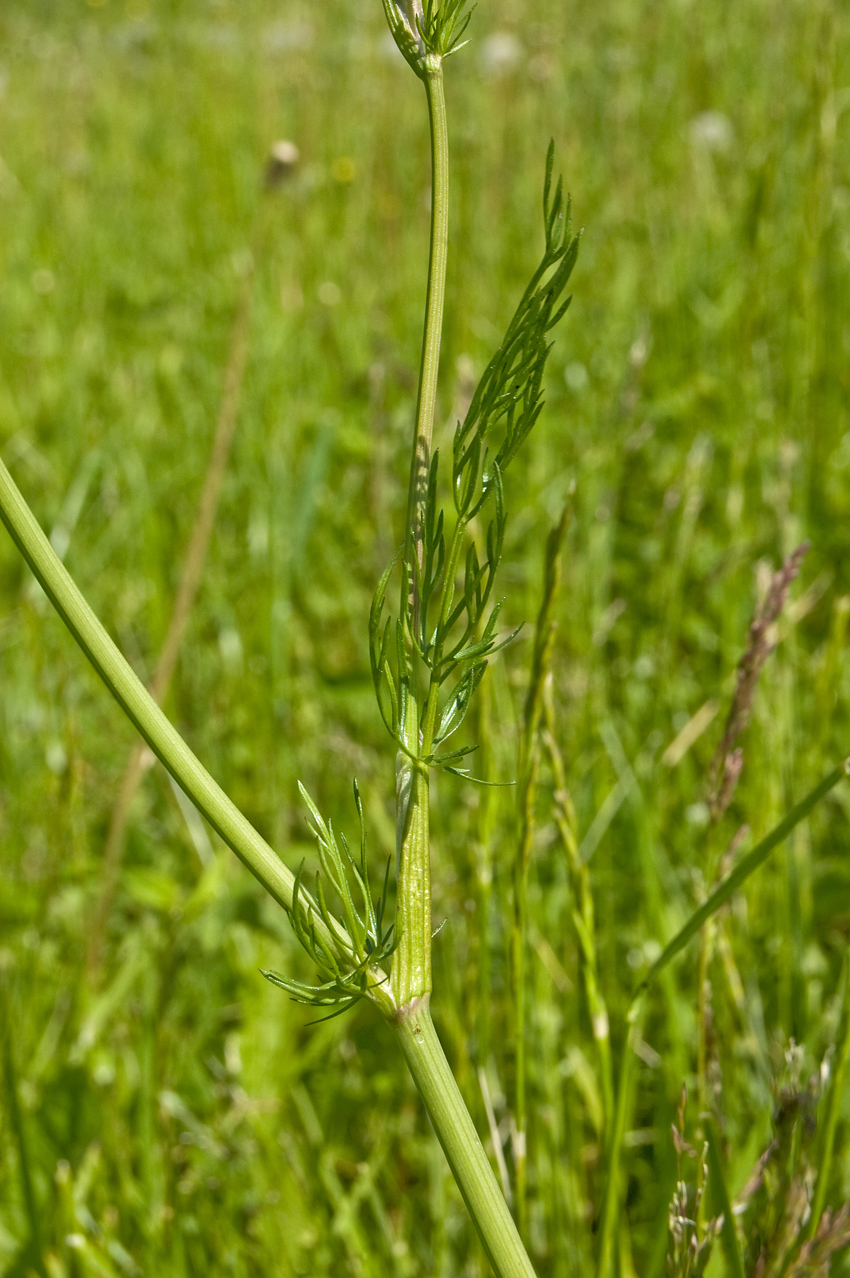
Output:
[[348, 967], [453, 630], [433, 29]]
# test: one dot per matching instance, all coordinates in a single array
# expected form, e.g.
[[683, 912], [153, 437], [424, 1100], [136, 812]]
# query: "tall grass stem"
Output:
[[529, 768], [16, 1123], [584, 918], [832, 1109], [731, 884], [617, 1132]]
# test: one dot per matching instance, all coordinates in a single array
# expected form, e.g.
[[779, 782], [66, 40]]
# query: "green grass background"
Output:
[[183, 1117]]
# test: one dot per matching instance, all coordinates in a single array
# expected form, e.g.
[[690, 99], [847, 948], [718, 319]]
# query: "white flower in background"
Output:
[[500, 53], [712, 131], [282, 162]]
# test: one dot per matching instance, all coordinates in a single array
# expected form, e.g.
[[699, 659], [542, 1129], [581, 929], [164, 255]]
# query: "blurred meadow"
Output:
[[165, 1110]]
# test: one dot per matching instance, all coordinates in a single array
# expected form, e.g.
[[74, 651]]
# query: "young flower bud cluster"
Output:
[[427, 30]]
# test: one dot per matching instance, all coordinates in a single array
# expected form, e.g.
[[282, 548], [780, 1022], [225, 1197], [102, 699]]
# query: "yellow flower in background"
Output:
[[343, 169]]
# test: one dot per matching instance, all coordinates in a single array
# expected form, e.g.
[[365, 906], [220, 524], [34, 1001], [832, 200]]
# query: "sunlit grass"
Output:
[[697, 402]]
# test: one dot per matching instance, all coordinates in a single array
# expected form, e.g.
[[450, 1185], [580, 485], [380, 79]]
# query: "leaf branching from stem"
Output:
[[349, 966], [451, 624]]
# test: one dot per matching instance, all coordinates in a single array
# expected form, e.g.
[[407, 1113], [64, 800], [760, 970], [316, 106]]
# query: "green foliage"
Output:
[[441, 24], [449, 628], [772, 1209], [691, 1240], [695, 408], [427, 27], [366, 942]]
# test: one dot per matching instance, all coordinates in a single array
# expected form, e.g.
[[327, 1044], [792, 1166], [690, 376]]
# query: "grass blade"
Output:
[[832, 1107], [722, 1204], [745, 867]]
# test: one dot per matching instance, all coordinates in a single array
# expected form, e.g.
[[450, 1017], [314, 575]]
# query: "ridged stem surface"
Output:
[[411, 971], [430, 361], [456, 1132]]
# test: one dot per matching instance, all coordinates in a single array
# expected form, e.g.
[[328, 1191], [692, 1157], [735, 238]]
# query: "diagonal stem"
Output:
[[456, 1132], [187, 590], [159, 733]]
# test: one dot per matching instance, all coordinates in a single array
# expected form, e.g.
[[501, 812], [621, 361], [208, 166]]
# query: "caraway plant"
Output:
[[428, 658]]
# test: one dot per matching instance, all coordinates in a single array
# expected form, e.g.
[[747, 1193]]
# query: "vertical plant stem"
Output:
[[16, 1122], [410, 980], [722, 1205], [529, 768], [430, 362], [703, 1013], [518, 973], [411, 969], [583, 911], [484, 875], [186, 594], [456, 1132], [625, 1089], [832, 1108]]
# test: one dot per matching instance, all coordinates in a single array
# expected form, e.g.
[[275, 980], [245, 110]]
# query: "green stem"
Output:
[[16, 1122], [625, 1089], [140, 707], [722, 1204], [832, 1106], [456, 1132], [529, 768], [411, 970], [519, 940], [430, 363], [564, 815]]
